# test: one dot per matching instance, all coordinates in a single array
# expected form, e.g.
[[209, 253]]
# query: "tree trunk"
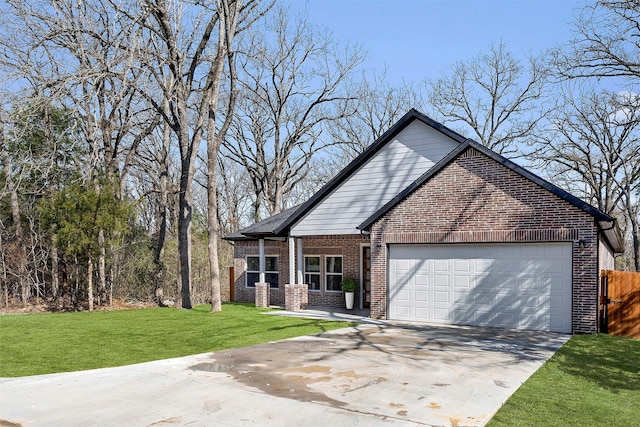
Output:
[[90, 280], [3, 277], [214, 232], [228, 13], [213, 225], [54, 267], [102, 273], [184, 238], [112, 275], [162, 212]]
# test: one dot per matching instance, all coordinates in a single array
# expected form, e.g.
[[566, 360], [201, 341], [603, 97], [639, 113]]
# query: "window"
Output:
[[312, 272], [333, 272], [270, 271]]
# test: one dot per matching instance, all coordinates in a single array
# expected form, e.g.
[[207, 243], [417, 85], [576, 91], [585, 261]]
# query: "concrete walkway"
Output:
[[367, 375], [330, 313]]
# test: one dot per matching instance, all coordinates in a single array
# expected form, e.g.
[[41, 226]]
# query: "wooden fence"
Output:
[[620, 303]]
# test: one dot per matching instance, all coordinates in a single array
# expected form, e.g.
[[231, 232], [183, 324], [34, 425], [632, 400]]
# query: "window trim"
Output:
[[247, 271], [326, 274], [319, 273]]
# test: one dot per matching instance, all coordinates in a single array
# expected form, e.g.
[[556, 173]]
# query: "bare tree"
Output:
[[605, 43], [377, 106], [292, 81], [494, 96], [592, 147], [81, 55], [188, 46], [234, 195]]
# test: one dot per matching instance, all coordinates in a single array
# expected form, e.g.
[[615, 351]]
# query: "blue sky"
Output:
[[420, 39]]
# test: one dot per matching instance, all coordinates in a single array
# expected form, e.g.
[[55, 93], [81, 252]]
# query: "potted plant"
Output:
[[349, 286]]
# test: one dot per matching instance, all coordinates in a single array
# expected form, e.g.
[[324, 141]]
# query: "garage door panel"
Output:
[[422, 279], [403, 295], [441, 315], [485, 283], [421, 296], [512, 285], [441, 265], [462, 281], [441, 297], [402, 312], [504, 319], [422, 313], [481, 265], [506, 300], [441, 280], [460, 297], [555, 302], [461, 265]]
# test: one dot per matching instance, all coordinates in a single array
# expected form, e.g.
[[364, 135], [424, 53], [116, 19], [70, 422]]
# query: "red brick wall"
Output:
[[346, 245], [475, 199]]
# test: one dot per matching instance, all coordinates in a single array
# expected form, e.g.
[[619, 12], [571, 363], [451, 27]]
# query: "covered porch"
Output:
[[311, 270]]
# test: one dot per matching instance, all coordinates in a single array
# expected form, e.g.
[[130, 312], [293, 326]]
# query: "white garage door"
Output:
[[523, 286]]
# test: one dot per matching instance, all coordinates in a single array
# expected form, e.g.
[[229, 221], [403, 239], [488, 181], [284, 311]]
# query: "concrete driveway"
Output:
[[366, 375]]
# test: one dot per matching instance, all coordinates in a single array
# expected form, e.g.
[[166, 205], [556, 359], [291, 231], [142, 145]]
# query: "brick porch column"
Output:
[[262, 295], [291, 298], [303, 291]]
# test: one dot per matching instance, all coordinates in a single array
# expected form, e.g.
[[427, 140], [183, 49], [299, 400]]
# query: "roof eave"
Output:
[[613, 235]]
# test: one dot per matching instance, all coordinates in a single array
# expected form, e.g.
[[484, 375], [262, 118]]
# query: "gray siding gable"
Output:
[[402, 160]]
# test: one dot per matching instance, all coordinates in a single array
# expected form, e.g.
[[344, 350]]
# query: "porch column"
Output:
[[291, 293], [300, 261], [302, 288], [262, 288], [262, 262], [292, 260]]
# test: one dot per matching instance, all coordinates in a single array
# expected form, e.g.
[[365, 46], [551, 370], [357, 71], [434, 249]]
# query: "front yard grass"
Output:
[[593, 380], [36, 344]]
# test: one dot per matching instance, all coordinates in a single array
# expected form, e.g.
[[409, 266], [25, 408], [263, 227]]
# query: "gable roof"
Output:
[[279, 226], [367, 154], [611, 231]]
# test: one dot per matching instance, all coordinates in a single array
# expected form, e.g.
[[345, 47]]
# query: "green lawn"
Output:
[[593, 380], [61, 342]]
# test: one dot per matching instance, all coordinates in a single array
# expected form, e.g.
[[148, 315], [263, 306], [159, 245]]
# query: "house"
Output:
[[436, 228]]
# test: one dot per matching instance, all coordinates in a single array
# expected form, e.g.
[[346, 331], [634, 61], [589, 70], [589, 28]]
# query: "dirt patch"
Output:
[[66, 305]]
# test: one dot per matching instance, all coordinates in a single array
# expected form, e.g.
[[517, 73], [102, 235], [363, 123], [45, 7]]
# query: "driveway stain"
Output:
[[274, 377]]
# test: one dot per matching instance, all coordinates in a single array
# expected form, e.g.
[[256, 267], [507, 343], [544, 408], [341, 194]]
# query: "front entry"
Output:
[[366, 276]]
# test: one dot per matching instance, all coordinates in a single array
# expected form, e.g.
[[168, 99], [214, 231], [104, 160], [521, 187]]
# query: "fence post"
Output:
[[604, 295]]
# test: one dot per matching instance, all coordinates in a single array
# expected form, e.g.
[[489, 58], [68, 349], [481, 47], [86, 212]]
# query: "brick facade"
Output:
[[474, 199], [347, 246]]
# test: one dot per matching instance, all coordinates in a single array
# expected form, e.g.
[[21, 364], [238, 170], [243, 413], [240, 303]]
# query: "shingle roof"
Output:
[[613, 236], [278, 225], [263, 228]]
